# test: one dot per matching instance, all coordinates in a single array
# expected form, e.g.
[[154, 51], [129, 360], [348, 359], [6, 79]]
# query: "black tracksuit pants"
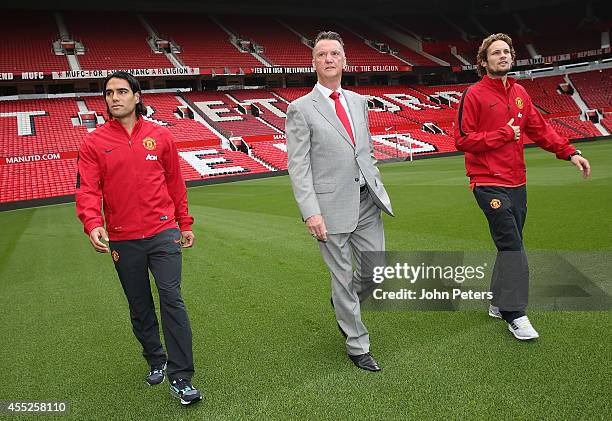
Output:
[[506, 209], [161, 254]]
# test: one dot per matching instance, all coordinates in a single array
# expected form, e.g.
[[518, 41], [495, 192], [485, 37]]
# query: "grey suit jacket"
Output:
[[324, 165]]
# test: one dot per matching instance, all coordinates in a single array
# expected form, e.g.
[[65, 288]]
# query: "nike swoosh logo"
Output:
[[109, 150], [492, 105]]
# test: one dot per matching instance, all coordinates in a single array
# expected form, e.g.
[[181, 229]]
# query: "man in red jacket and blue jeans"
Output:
[[131, 166], [492, 116]]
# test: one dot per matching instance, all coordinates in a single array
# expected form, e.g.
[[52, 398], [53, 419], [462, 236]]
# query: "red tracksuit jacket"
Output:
[[138, 177], [492, 156]]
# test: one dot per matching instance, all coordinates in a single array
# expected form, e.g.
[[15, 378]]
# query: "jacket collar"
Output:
[[116, 125], [322, 105], [497, 83]]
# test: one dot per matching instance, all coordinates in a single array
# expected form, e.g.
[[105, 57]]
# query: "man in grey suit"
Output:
[[338, 187]]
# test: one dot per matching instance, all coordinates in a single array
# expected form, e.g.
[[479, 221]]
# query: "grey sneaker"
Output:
[[522, 330], [494, 312], [156, 374], [183, 390]]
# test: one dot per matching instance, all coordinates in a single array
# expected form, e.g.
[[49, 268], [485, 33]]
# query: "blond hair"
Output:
[[481, 57]]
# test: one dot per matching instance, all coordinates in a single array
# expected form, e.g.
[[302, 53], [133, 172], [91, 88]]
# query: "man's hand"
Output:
[[95, 238], [582, 164], [316, 227], [516, 129], [187, 238]]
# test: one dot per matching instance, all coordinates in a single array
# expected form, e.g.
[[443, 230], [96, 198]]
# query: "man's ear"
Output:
[[137, 95]]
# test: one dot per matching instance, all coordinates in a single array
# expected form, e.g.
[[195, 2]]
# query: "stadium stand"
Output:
[[595, 88], [203, 163], [113, 41], [272, 109], [579, 127], [606, 121], [291, 94], [281, 46], [163, 110], [545, 94], [222, 113], [37, 180], [404, 119], [28, 48], [373, 36], [584, 36], [273, 152], [203, 43], [39, 126], [358, 52]]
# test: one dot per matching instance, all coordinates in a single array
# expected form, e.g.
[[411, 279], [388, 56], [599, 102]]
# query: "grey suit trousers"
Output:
[[343, 255]]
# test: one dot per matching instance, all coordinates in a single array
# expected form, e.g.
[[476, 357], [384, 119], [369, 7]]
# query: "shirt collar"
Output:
[[326, 92]]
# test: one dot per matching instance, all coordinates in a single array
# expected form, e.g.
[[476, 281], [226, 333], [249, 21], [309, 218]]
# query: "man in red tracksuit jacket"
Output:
[[492, 115], [131, 166]]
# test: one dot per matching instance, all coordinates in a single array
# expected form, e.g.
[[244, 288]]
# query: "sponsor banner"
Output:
[[280, 70], [461, 68], [24, 76], [99, 74], [544, 60], [555, 58], [54, 156], [348, 69], [356, 69]]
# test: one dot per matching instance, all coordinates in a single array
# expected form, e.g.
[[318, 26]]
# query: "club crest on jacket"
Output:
[[149, 143]]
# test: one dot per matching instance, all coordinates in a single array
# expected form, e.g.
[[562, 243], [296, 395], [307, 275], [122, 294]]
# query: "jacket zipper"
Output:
[[508, 117]]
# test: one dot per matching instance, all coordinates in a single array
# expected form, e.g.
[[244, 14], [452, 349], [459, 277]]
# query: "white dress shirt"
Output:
[[326, 93]]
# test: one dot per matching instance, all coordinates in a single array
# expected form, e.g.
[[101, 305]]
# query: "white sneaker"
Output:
[[494, 312], [521, 329]]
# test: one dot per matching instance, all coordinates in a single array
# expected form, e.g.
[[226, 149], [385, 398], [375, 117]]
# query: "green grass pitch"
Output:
[[265, 340]]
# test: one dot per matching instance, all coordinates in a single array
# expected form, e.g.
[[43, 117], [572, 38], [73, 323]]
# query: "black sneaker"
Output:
[[183, 390], [156, 374]]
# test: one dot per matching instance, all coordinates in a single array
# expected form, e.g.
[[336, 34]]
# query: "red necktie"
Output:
[[341, 113]]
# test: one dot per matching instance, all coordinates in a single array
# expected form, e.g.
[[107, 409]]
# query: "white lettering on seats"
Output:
[[204, 165], [410, 101], [25, 121], [281, 146], [418, 146], [213, 114], [452, 96], [267, 104], [391, 107]]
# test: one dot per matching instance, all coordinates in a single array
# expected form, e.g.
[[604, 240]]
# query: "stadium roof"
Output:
[[346, 8]]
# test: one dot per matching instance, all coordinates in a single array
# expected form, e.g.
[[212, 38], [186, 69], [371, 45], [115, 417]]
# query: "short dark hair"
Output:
[[486, 43], [331, 35], [141, 108]]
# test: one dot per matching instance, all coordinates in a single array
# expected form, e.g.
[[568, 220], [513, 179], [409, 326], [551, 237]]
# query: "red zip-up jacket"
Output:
[[137, 177], [492, 156]]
